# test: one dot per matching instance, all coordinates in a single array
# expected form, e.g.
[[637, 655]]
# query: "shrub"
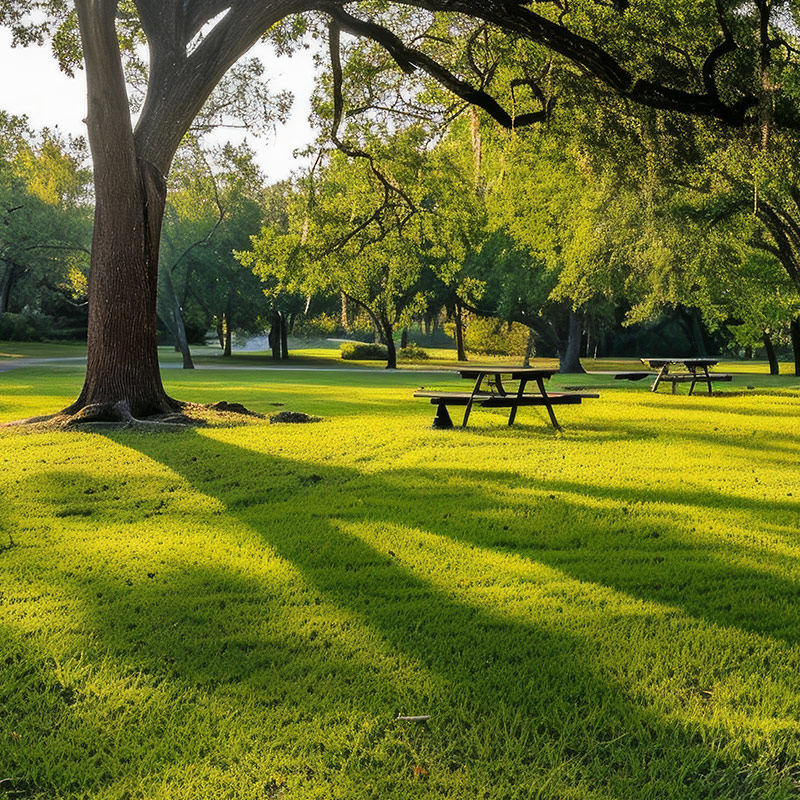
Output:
[[16, 328], [412, 352], [363, 351]]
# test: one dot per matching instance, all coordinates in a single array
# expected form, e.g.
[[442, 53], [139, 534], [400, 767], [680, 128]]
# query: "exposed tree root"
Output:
[[115, 416]]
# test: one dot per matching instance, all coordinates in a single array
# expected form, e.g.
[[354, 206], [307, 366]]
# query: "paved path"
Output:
[[6, 365]]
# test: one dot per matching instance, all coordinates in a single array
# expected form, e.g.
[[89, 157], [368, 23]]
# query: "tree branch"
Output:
[[410, 60]]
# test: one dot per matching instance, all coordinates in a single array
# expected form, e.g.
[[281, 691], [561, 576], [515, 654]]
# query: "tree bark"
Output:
[[795, 333], [404, 338], [774, 367], [571, 362]]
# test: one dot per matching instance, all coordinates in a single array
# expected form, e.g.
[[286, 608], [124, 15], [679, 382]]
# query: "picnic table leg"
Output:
[[475, 390], [693, 370], [513, 415], [662, 372], [708, 378], [548, 405]]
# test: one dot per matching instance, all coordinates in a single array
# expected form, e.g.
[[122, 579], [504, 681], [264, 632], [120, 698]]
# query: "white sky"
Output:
[[33, 85]]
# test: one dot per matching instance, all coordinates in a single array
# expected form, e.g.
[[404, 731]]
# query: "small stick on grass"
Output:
[[424, 718]]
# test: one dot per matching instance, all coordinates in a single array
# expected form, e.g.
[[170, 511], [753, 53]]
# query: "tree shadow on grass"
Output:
[[389, 607], [519, 701]]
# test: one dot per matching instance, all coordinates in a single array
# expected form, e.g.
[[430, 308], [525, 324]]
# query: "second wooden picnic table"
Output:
[[697, 372]]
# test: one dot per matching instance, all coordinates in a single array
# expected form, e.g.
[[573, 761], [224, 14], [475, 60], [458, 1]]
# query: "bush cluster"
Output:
[[412, 352], [364, 351]]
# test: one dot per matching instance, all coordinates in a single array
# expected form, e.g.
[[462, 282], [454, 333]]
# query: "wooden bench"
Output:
[[489, 400]]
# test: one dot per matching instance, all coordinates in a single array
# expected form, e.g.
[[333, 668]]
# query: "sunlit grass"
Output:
[[611, 612]]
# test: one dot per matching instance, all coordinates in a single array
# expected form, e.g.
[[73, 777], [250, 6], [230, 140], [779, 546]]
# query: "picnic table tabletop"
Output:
[[655, 363], [516, 373]]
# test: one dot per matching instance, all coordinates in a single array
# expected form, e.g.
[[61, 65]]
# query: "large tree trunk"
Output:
[[795, 332], [122, 356], [774, 367], [571, 362]]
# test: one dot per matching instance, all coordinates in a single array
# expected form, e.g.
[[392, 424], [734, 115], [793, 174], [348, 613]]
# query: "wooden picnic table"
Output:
[[495, 394], [697, 371]]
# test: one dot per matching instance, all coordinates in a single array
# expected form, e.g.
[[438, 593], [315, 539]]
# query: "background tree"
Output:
[[45, 226]]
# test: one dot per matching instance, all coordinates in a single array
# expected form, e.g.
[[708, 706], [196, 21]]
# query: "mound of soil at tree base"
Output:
[[293, 416], [233, 408]]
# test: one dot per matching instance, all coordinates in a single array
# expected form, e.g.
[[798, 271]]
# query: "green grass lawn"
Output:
[[610, 613]]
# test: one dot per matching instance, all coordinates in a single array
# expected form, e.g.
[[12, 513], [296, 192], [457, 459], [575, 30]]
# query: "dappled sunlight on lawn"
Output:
[[608, 612]]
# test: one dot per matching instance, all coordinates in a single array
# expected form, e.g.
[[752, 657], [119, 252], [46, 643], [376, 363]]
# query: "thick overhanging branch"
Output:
[[514, 16], [334, 33], [410, 60]]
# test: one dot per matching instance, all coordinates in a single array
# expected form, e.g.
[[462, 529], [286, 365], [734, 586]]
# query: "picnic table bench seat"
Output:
[[504, 401]]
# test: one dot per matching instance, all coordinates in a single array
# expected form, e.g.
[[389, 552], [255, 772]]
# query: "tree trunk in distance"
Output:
[[529, 348], [228, 352], [284, 327], [345, 318], [571, 362], [697, 335], [795, 333], [388, 332], [461, 353], [774, 367], [404, 338], [9, 278], [178, 328], [748, 352], [274, 336]]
